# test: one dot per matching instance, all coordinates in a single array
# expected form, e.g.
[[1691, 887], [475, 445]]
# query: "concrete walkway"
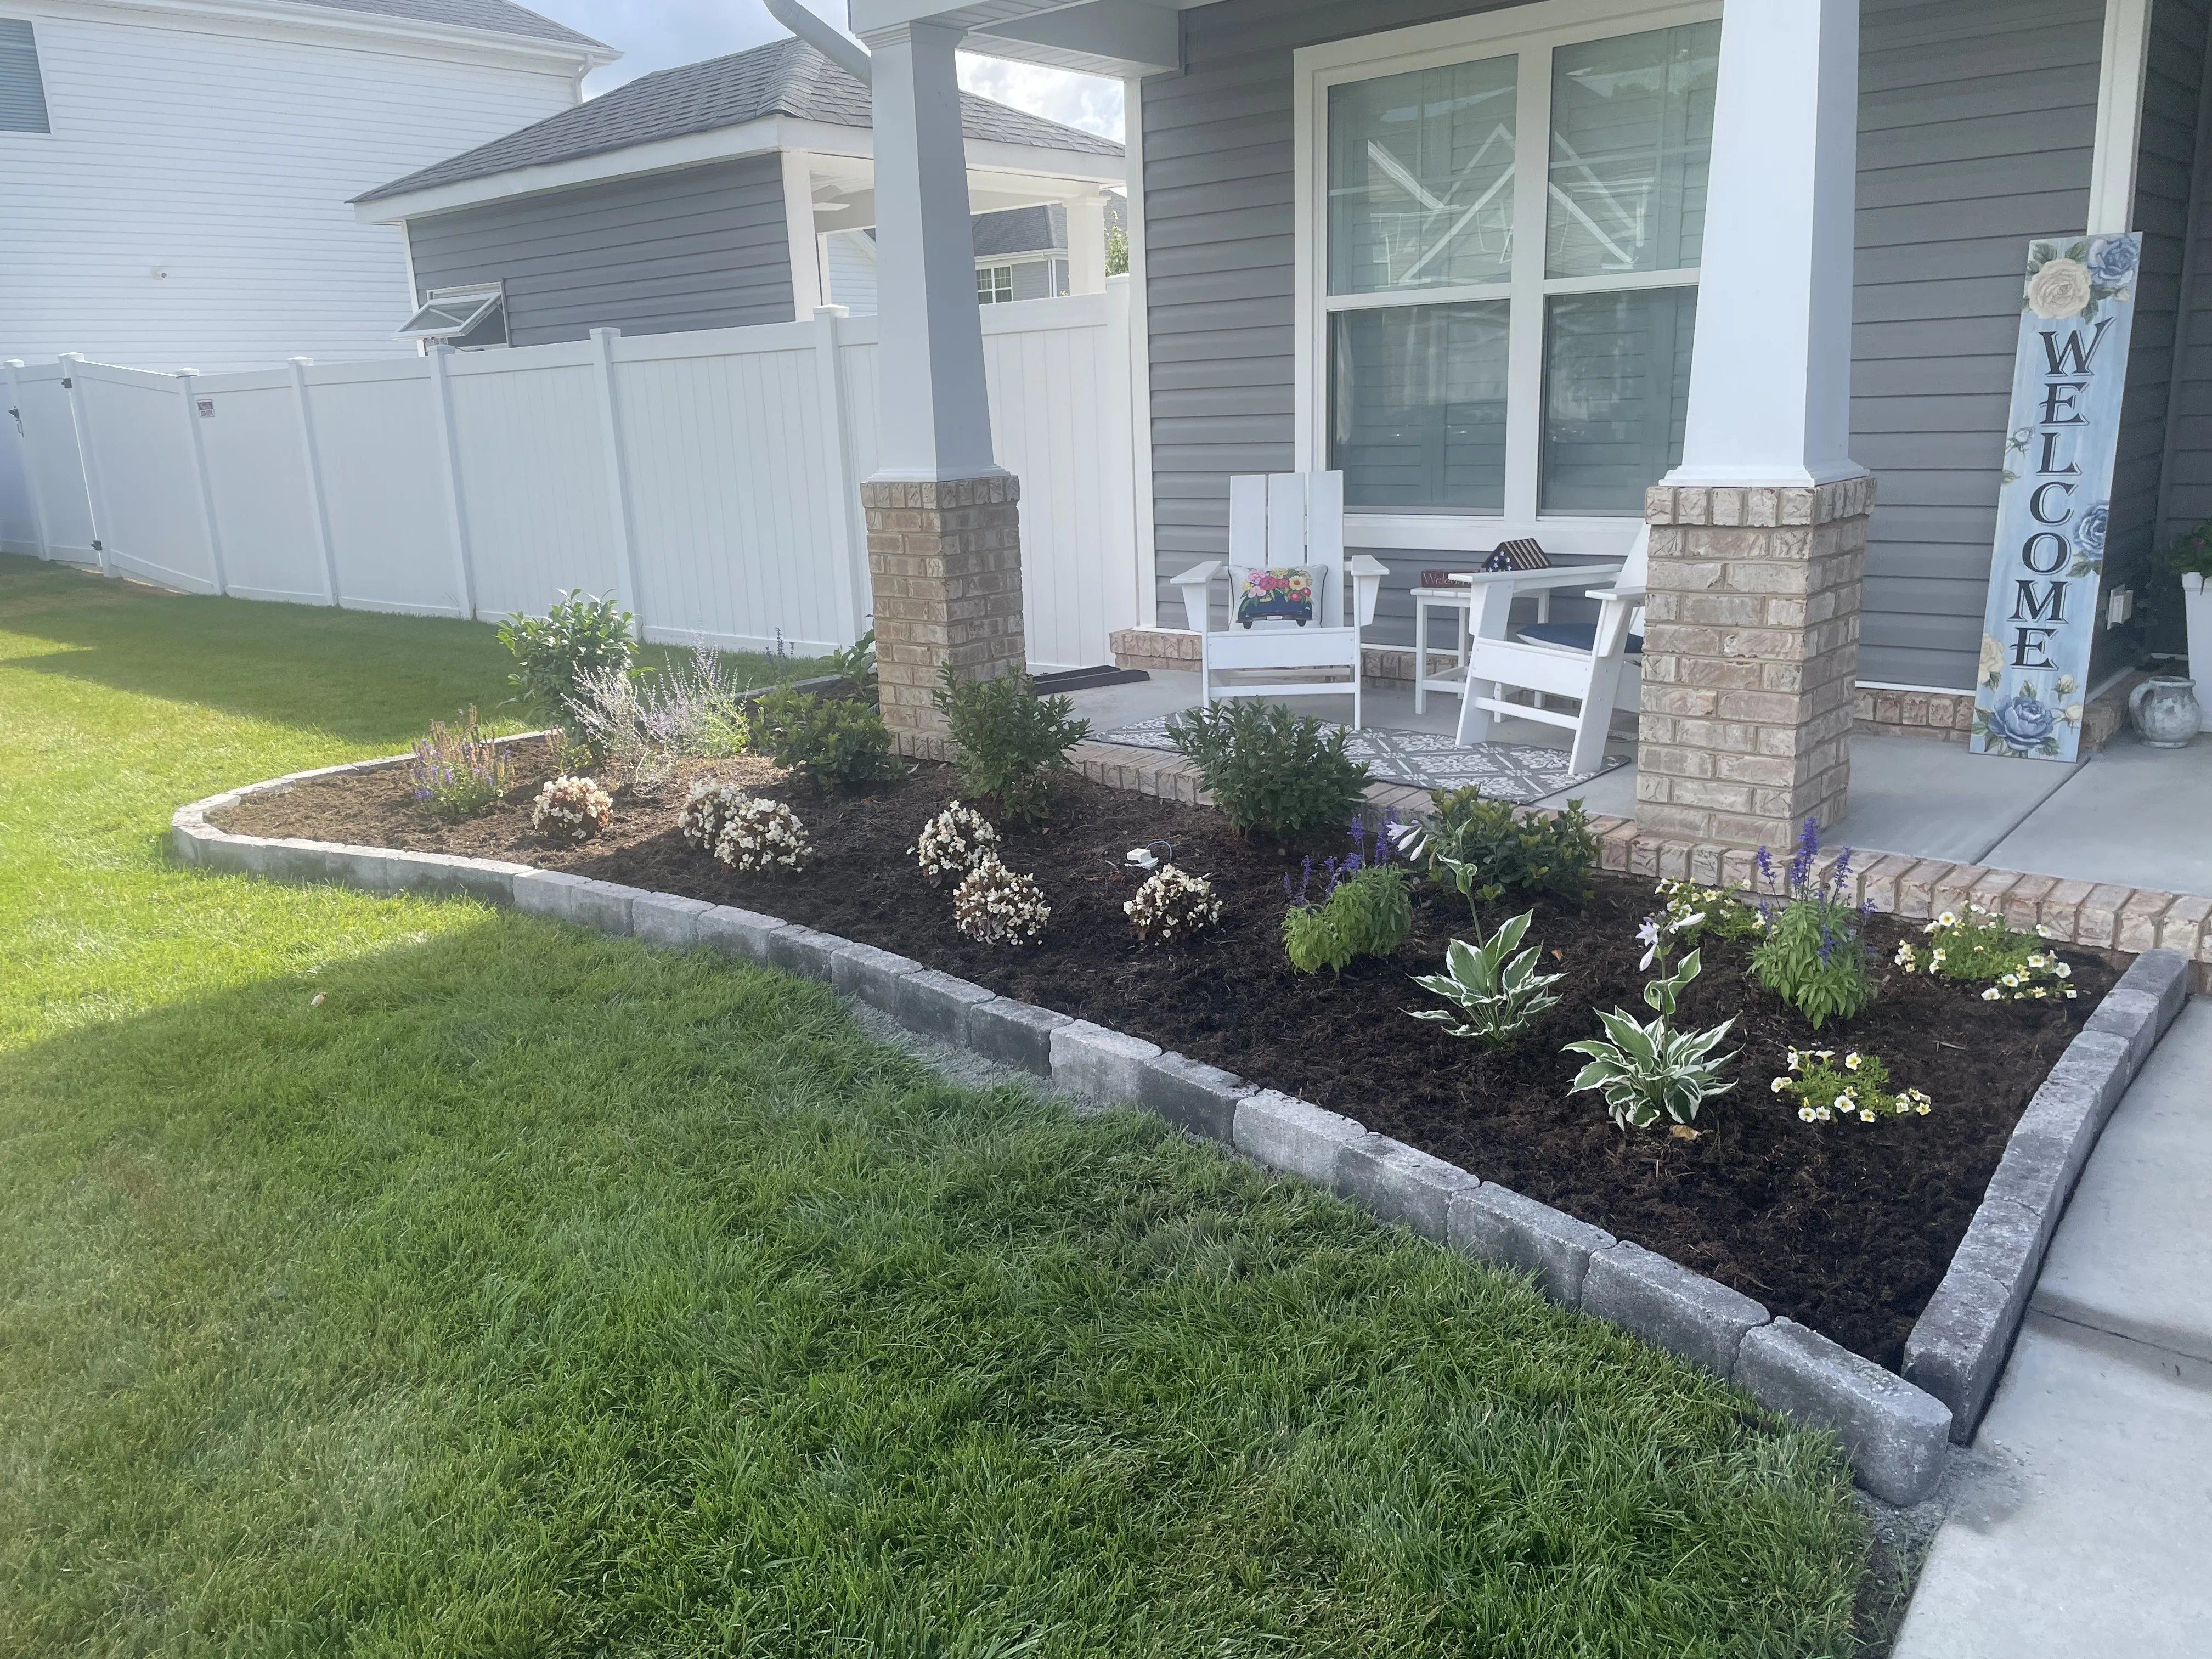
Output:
[[2083, 1526]]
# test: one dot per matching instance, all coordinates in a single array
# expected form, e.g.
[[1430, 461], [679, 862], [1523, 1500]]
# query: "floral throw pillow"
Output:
[[1284, 593]]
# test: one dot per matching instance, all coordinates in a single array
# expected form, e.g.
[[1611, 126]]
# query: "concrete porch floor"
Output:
[[2129, 815]]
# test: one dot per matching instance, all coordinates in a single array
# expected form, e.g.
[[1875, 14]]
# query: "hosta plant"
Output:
[[762, 837], [706, 809], [994, 905], [1497, 994], [458, 771], [953, 842], [1855, 1089], [1172, 904], [1647, 1069], [572, 808]]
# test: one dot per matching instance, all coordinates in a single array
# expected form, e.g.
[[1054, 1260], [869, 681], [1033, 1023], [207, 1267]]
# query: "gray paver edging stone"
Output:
[[1894, 1430], [1958, 1345]]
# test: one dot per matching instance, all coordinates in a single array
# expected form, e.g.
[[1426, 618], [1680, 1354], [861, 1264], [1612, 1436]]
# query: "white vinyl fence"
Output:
[[710, 480]]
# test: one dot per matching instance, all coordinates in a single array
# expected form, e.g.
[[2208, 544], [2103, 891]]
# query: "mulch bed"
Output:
[[1845, 1227]]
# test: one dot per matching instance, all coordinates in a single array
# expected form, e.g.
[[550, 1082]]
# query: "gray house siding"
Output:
[[2166, 165], [700, 247], [1977, 119], [1977, 123], [2186, 494]]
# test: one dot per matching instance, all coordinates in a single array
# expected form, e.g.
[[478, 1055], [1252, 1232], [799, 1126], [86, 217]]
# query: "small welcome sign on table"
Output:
[[2056, 500]]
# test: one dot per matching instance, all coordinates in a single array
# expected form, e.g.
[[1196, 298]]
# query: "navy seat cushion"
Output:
[[1575, 636]]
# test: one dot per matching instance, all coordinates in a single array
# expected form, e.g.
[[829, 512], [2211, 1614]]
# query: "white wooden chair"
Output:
[[1582, 660], [1275, 519]]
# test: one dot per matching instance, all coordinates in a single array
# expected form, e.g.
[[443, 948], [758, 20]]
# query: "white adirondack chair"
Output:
[[1582, 660], [1280, 518]]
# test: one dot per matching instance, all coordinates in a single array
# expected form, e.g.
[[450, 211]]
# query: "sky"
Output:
[[652, 34]]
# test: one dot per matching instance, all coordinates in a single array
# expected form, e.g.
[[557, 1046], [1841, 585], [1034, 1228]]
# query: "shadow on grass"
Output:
[[526, 1291]]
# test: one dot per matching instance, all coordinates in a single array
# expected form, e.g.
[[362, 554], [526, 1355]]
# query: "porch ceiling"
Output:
[[1117, 38]]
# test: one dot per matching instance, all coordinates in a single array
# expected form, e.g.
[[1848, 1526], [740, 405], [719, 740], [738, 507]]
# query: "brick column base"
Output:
[[1750, 649], [945, 563]]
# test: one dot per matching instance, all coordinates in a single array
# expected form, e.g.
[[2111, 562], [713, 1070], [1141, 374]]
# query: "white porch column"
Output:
[[1759, 538], [936, 417], [1086, 243], [1771, 373], [945, 562]]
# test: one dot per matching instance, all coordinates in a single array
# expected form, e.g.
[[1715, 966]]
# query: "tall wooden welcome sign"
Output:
[[2054, 504]]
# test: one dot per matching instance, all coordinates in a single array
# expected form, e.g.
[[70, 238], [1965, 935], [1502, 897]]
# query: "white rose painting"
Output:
[[2061, 289]]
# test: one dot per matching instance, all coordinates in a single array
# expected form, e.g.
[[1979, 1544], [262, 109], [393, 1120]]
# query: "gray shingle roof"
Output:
[[785, 77], [497, 17]]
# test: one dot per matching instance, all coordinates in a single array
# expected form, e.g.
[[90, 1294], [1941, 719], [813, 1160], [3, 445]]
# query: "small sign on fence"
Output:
[[206, 407], [2054, 505]]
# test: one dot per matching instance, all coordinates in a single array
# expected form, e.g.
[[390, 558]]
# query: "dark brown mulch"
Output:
[[1845, 1227]]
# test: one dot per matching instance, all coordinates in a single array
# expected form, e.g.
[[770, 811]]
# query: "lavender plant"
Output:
[[689, 712], [1363, 908], [458, 771], [1812, 956]]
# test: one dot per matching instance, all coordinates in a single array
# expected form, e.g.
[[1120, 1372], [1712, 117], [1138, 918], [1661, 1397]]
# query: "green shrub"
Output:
[[837, 743], [1269, 768], [1482, 850], [856, 666], [458, 771], [1811, 956], [1367, 912], [1011, 741], [578, 636]]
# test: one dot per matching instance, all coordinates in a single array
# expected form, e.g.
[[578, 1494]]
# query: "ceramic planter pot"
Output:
[[2196, 602], [2163, 712]]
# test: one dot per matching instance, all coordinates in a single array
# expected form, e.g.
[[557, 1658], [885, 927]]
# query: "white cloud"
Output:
[[657, 34], [1089, 102]]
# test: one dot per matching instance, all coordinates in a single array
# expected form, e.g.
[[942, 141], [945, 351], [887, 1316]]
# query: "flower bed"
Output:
[[1844, 1225]]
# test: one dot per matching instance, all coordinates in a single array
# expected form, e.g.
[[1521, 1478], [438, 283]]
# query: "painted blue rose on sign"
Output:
[[2089, 531], [2022, 723], [2111, 261]]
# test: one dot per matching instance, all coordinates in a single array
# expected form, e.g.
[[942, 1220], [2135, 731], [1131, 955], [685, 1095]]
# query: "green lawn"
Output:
[[541, 1294]]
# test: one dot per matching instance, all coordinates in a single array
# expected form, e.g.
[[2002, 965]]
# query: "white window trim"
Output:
[[1530, 32]]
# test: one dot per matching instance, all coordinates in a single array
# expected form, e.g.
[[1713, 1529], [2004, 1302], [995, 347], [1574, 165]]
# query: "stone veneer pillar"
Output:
[[944, 561], [1751, 646]]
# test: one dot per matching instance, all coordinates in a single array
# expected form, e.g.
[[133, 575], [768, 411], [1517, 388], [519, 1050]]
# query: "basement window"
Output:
[[448, 314]]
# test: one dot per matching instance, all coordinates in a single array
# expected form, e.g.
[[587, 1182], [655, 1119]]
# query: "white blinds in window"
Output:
[[23, 95]]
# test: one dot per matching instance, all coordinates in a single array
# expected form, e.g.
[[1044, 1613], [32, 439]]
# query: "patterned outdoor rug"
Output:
[[1518, 772]]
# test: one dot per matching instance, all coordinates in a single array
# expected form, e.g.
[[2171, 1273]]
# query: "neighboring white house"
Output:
[[174, 174]]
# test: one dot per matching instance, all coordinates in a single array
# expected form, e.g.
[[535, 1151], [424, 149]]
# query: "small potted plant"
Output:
[[2191, 558]]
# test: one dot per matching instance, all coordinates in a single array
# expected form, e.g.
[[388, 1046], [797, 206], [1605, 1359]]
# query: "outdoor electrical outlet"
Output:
[[2119, 605]]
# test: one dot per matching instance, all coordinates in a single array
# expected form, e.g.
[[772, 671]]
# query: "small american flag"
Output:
[[1522, 553]]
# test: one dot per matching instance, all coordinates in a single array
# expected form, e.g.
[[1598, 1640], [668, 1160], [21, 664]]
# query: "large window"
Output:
[[1504, 327], [22, 92]]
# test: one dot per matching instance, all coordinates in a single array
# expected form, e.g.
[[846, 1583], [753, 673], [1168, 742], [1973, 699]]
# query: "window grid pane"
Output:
[[1616, 391], [1631, 142], [1418, 405], [1421, 178]]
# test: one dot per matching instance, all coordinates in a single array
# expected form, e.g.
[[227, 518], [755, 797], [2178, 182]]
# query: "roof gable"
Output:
[[785, 77]]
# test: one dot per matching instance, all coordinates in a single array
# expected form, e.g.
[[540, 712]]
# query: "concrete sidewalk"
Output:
[[2084, 1526]]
